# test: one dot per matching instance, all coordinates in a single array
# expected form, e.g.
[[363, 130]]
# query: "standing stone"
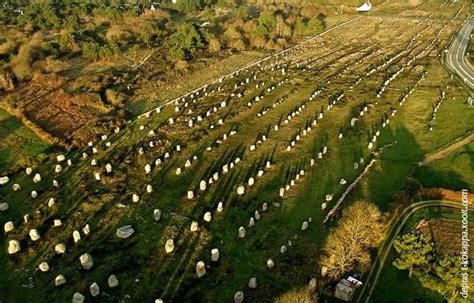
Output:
[[78, 298], [13, 247], [207, 216], [34, 194], [29, 170], [149, 188], [169, 246], [86, 261], [194, 226], [147, 168], [304, 226], [8, 227], [215, 254], [202, 185], [220, 207], [44, 267], [37, 178], [241, 232], [112, 281], [270, 263], [34, 234], [125, 231], [4, 180], [60, 248], [86, 229], [265, 207], [240, 190], [253, 283], [94, 289], [200, 269], [59, 280], [108, 168], [4, 206], [190, 194], [157, 214], [135, 198], [312, 283], [239, 297], [16, 187], [251, 222], [251, 181]]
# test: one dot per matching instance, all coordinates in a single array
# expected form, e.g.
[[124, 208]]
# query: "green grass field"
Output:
[[18, 144]]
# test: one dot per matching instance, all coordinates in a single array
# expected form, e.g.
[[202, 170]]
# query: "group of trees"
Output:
[[438, 272], [347, 247]]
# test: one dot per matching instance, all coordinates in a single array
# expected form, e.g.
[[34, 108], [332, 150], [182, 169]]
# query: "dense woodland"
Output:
[[42, 36]]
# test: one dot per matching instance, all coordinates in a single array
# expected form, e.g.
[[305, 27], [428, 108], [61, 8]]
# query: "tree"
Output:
[[184, 41], [444, 277], [301, 295], [347, 246], [414, 251], [265, 24]]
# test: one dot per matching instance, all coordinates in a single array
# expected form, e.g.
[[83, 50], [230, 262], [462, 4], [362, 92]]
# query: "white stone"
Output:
[[251, 222], [125, 231], [239, 297], [4, 180], [13, 247], [169, 246], [220, 207], [157, 214], [304, 226], [76, 236], [8, 227], [112, 281], [34, 234], [135, 198], [283, 249], [251, 181], [178, 171], [215, 254], [29, 170], [149, 188], [16, 187], [43, 266], [202, 185], [108, 168], [86, 229], [37, 178], [59, 280], [241, 232], [4, 206], [207, 216], [194, 226], [241, 190], [86, 261], [147, 169], [60, 248], [253, 283], [190, 194], [78, 298], [60, 158], [94, 289], [200, 269], [270, 263], [264, 207], [57, 168]]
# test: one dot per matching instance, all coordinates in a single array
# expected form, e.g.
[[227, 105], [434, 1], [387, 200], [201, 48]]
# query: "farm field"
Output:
[[240, 165]]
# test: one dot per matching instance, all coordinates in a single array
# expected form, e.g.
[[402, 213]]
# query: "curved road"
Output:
[[456, 58], [384, 250]]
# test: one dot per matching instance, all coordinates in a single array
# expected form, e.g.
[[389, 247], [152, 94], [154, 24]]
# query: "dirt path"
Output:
[[447, 150]]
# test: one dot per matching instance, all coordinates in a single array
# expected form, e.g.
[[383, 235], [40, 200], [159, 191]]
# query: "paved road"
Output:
[[372, 278], [456, 57]]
